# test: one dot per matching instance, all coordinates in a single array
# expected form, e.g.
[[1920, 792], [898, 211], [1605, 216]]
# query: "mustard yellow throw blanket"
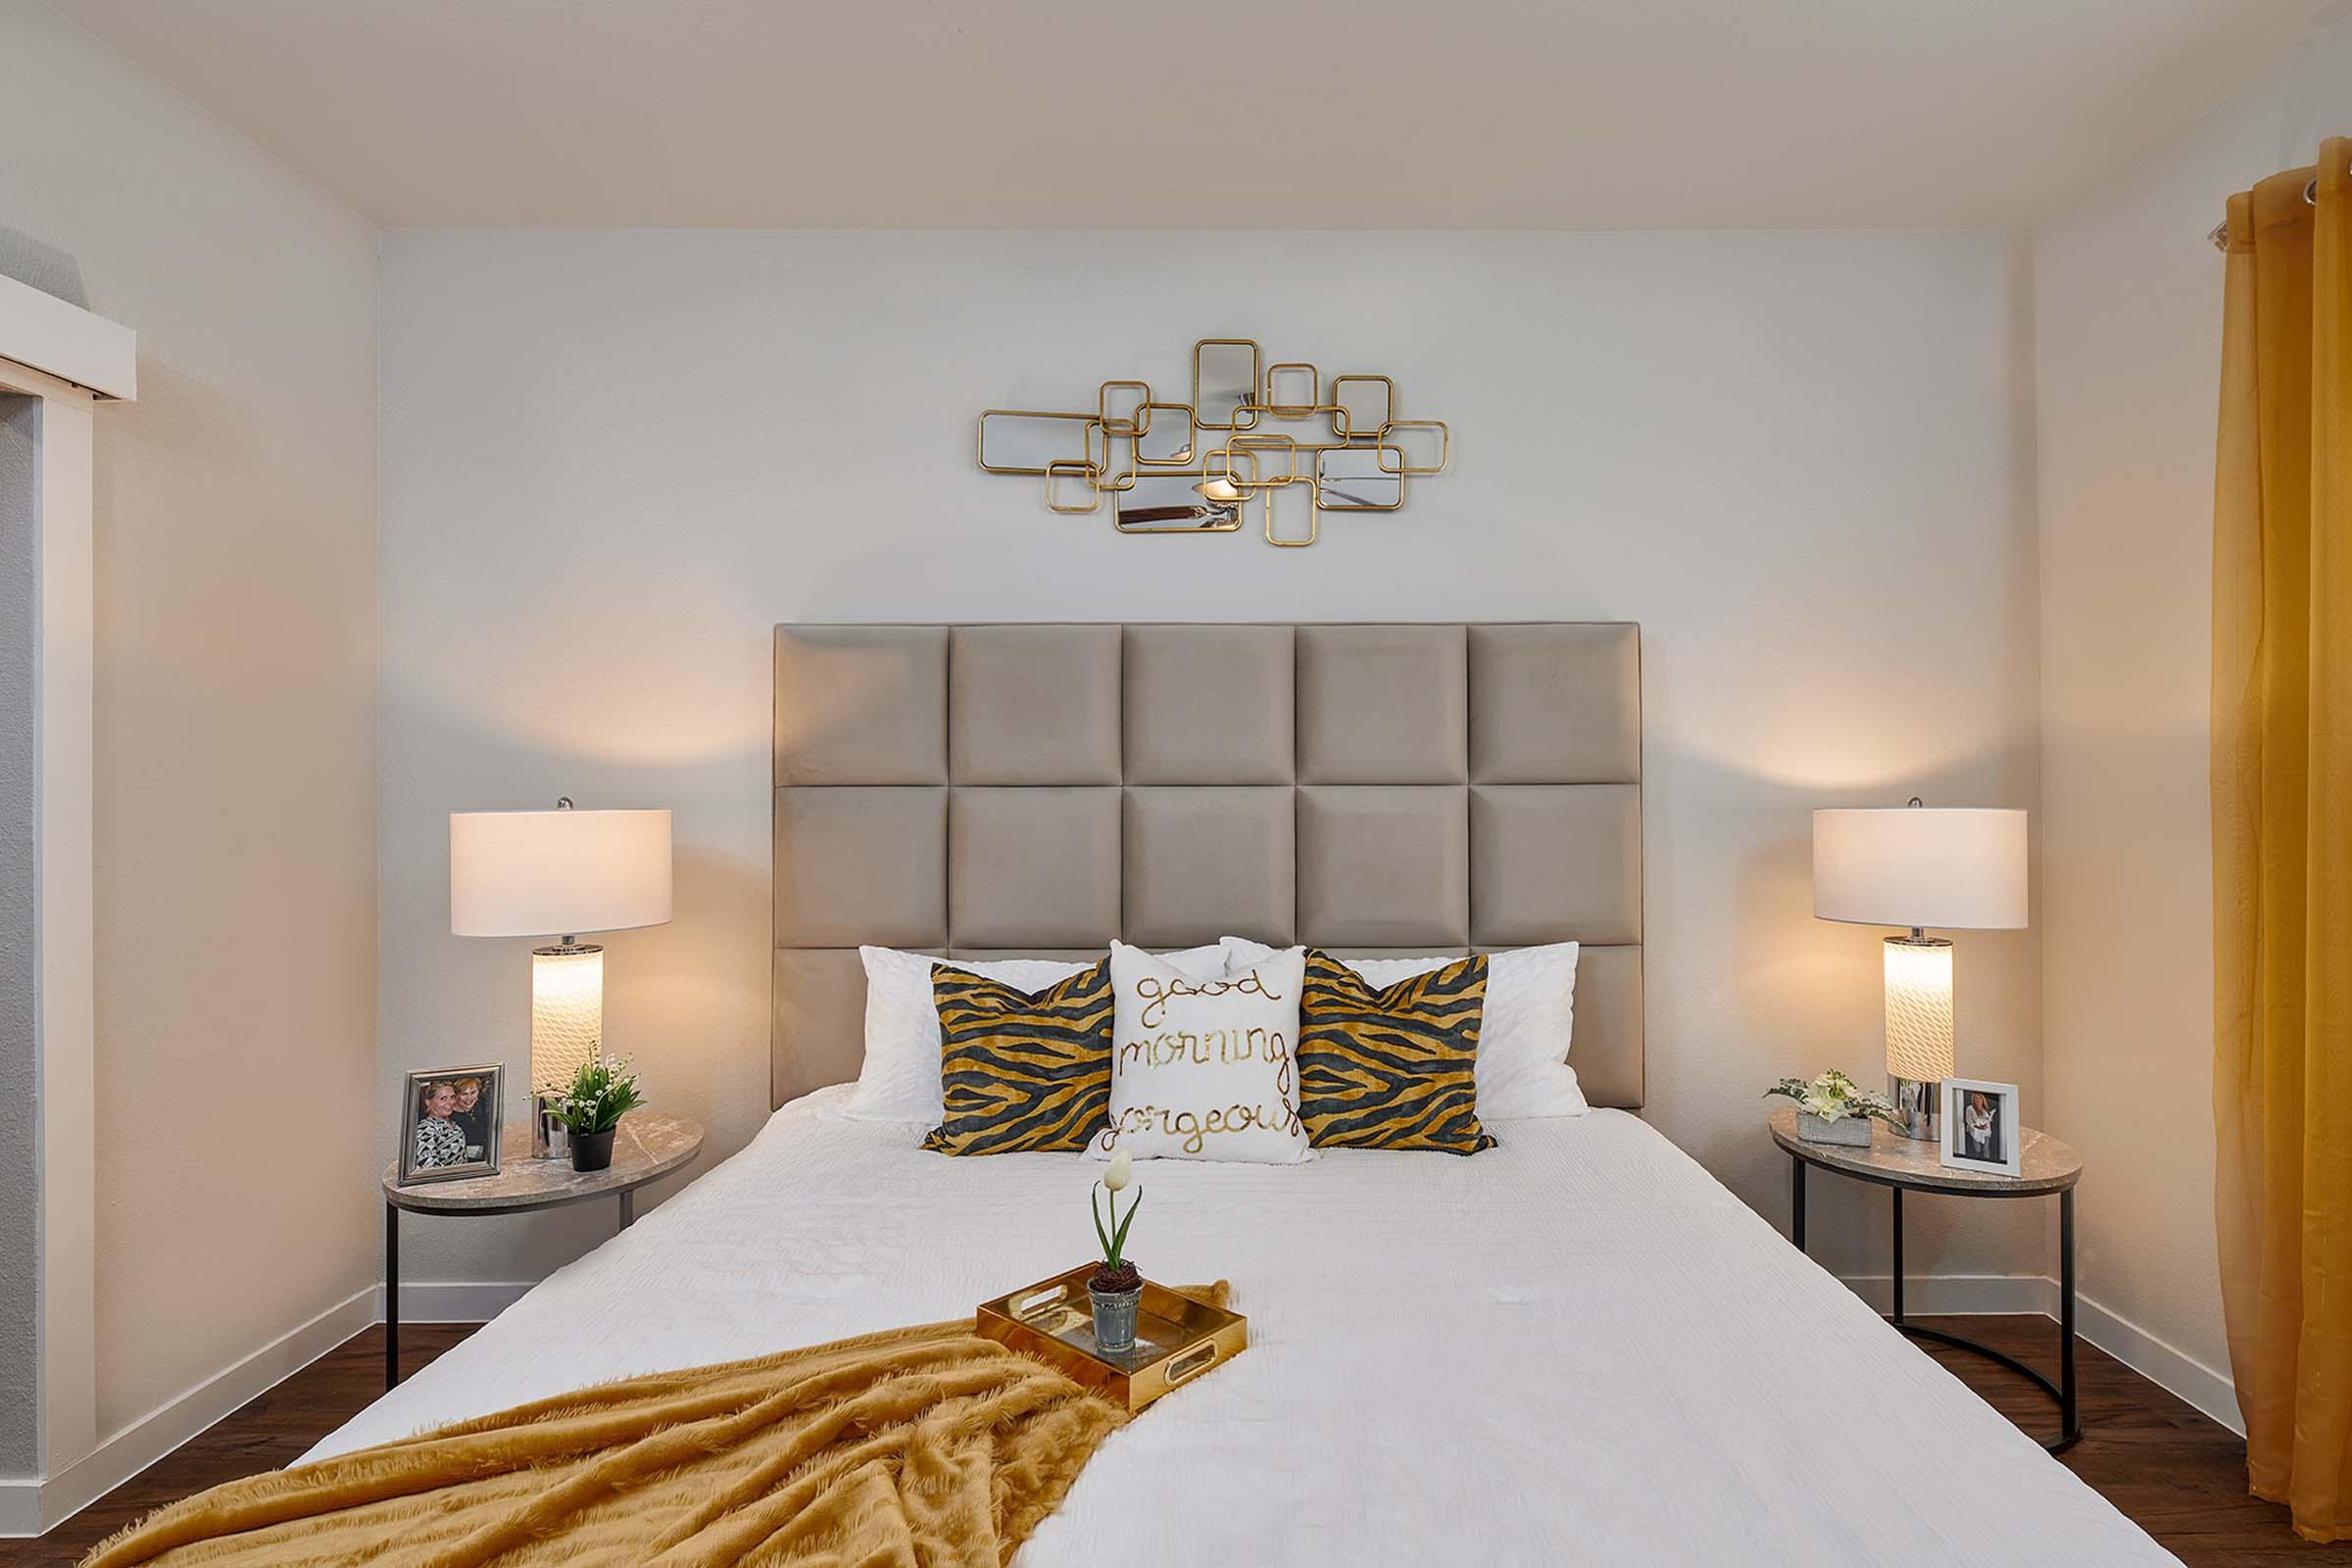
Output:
[[925, 1447]]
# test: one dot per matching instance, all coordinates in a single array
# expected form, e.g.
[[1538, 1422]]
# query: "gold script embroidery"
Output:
[[1196, 1128], [1224, 1045], [1155, 994]]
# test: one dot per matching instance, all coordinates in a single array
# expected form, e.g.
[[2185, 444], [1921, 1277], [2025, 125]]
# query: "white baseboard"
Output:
[[2167, 1366], [29, 1507], [1960, 1295], [452, 1301]]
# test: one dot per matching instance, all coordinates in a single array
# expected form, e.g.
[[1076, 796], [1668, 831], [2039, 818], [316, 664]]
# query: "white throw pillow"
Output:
[[1202, 1068], [899, 1079], [1524, 1035]]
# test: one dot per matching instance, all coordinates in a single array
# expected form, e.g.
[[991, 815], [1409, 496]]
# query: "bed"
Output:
[[1576, 1347]]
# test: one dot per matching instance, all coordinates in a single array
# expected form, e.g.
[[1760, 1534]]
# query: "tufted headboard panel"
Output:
[[997, 790]]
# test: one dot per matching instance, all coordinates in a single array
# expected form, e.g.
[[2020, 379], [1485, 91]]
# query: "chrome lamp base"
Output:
[[1917, 1108]]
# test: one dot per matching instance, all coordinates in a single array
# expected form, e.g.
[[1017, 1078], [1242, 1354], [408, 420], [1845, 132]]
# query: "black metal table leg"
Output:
[[1898, 1255], [628, 1209], [1797, 1202], [391, 1296], [2070, 1423], [2062, 1393]]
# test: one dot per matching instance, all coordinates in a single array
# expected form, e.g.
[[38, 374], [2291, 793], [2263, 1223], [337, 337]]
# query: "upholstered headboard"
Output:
[[997, 790]]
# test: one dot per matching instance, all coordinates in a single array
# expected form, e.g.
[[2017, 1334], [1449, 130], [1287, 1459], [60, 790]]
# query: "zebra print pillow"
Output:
[[1020, 1072], [1394, 1067]]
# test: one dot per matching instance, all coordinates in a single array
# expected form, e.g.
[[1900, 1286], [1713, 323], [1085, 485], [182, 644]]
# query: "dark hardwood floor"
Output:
[[270, 1434], [2179, 1474]]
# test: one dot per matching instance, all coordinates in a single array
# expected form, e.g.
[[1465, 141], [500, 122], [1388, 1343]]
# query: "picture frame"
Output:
[[1984, 1129], [450, 1121]]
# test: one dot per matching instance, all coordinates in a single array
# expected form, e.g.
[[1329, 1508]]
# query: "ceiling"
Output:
[[1285, 114]]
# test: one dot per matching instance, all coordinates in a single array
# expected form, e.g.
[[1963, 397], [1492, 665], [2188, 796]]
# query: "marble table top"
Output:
[[2044, 1164], [647, 1146]]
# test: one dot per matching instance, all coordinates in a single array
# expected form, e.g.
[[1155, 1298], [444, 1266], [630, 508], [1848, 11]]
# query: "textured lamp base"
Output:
[[567, 1030], [1917, 1108], [1919, 1031]]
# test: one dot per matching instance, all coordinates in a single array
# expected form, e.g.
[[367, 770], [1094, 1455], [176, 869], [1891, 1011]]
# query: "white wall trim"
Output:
[[453, 1301], [68, 342], [2169, 1367], [2213, 1392], [1961, 1295], [29, 1507]]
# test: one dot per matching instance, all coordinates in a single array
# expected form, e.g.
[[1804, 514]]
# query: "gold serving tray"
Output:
[[1176, 1338]]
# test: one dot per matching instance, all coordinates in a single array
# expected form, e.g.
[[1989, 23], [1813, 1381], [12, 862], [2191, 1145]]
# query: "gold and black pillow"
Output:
[[1020, 1071], [1391, 1066]]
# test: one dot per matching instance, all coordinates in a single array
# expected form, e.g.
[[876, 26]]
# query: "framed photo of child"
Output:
[[1981, 1128], [449, 1123]]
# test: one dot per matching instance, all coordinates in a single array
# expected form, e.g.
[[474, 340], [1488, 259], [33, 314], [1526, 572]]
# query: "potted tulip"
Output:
[[591, 1107], [1115, 1286]]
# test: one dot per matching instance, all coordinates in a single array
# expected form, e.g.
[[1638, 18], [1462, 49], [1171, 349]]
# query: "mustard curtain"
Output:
[[2282, 774]]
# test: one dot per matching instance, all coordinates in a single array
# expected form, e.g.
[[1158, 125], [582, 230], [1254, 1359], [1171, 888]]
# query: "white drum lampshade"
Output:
[[558, 873], [1916, 867]]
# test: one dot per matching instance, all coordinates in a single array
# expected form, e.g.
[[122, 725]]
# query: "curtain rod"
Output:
[[2220, 233]]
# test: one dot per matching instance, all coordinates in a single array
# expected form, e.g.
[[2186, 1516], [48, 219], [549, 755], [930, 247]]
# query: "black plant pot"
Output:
[[592, 1151]]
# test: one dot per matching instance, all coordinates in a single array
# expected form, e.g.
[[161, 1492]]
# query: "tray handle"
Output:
[[1028, 1307], [1192, 1363]]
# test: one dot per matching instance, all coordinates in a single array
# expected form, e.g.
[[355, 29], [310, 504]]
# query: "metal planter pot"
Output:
[[1114, 1317]]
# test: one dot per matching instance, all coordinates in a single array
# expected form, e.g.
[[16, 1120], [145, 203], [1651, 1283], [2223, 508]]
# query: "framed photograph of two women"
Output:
[[449, 1123]]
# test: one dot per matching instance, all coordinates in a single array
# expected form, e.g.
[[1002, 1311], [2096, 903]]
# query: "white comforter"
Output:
[[1576, 1348]]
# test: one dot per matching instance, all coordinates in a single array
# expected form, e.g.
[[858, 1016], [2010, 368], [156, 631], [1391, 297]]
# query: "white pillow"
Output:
[[1524, 1034], [899, 1080], [1205, 1069]]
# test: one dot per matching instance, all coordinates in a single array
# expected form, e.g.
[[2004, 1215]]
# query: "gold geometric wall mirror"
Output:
[[1175, 502], [1119, 406], [1281, 443], [1164, 437], [1225, 383], [1355, 479], [1364, 403], [1019, 441], [1292, 520]]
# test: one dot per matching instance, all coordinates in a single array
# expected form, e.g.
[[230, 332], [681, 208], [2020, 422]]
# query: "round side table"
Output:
[[650, 1146], [2046, 1168]]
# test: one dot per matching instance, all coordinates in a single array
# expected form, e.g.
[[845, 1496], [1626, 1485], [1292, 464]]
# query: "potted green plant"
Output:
[[1834, 1110], [600, 1093], [1115, 1286]]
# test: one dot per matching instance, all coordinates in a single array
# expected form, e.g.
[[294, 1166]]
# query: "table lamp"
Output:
[[1955, 868], [558, 873]]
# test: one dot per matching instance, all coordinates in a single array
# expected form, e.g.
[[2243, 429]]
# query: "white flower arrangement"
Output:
[[1833, 1096]]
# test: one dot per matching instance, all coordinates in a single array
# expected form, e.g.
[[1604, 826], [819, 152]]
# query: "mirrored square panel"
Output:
[[1225, 385], [1352, 479], [1177, 502]]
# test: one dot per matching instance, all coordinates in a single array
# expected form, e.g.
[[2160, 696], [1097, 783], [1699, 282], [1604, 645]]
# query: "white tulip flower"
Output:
[[1121, 1172]]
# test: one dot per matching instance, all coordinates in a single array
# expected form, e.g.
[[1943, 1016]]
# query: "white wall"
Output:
[[2127, 306], [235, 801], [613, 460]]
